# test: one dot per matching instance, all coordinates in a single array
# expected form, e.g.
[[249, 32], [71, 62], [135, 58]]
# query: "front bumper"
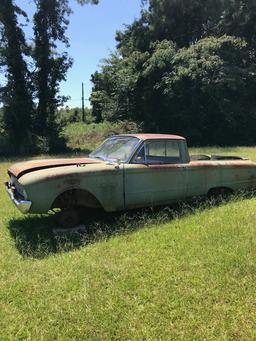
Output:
[[21, 204]]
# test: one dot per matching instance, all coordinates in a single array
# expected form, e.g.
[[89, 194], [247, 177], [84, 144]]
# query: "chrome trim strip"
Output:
[[22, 205]]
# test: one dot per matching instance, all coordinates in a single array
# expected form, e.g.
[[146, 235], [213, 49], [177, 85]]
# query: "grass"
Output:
[[174, 273]]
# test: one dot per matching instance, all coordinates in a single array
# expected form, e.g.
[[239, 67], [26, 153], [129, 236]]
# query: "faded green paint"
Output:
[[148, 185], [126, 186], [104, 181]]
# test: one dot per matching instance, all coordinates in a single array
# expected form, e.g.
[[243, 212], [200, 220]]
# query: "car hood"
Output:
[[21, 168]]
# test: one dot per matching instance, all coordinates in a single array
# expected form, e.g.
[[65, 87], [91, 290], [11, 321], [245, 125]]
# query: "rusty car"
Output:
[[125, 172]]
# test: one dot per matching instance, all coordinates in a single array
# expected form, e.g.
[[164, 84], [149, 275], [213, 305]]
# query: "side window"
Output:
[[155, 149], [173, 150], [159, 152]]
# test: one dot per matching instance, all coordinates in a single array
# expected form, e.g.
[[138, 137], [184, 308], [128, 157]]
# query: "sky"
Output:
[[92, 37]]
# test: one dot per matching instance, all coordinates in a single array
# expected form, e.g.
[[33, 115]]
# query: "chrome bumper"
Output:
[[22, 205]]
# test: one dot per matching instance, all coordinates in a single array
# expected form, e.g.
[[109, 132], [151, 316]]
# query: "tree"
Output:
[[25, 121], [181, 21], [50, 24], [187, 21], [16, 95], [176, 70], [114, 91], [238, 19], [210, 92], [136, 37]]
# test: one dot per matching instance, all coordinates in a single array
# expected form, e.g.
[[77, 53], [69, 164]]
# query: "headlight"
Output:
[[19, 189]]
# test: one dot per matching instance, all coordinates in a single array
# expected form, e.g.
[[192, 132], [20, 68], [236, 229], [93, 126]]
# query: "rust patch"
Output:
[[205, 164], [236, 164], [68, 178], [165, 166], [22, 168]]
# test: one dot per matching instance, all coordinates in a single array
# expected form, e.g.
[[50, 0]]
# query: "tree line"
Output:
[[187, 67], [183, 66], [33, 73]]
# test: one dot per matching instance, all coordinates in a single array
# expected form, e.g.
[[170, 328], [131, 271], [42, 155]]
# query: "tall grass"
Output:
[[185, 272]]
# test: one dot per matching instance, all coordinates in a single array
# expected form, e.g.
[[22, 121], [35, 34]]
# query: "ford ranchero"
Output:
[[125, 172]]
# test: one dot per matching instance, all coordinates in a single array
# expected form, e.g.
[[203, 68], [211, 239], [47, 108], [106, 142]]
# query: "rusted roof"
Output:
[[148, 136]]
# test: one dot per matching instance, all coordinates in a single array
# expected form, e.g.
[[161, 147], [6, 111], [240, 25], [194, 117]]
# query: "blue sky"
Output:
[[92, 36]]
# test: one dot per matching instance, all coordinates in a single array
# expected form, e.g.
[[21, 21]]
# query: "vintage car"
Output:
[[125, 172]]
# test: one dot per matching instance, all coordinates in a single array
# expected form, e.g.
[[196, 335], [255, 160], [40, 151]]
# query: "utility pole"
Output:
[[83, 114]]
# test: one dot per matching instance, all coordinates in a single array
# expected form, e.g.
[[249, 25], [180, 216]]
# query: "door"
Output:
[[155, 176]]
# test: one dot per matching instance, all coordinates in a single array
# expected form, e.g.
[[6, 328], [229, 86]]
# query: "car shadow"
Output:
[[39, 237]]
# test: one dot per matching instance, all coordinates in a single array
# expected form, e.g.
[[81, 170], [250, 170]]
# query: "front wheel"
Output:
[[68, 218]]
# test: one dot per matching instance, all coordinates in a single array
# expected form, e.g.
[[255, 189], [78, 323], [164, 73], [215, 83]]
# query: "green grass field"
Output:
[[170, 274]]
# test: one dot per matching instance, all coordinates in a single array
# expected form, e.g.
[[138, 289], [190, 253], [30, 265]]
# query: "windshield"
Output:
[[116, 148]]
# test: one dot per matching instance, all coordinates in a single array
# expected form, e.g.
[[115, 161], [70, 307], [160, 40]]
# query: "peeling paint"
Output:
[[21, 168]]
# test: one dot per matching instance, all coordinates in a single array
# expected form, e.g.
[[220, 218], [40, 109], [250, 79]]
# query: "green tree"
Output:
[[136, 37], [181, 21], [187, 21], [114, 92], [16, 95], [209, 93], [176, 69], [238, 18], [25, 121], [50, 24]]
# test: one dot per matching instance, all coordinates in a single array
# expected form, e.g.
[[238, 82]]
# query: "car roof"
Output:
[[149, 136]]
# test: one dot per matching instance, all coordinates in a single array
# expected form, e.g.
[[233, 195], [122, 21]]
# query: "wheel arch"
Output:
[[76, 197]]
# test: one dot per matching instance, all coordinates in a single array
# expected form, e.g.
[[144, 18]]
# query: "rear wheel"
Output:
[[220, 194]]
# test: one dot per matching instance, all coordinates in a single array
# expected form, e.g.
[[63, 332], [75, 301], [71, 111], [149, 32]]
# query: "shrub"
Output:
[[86, 137]]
